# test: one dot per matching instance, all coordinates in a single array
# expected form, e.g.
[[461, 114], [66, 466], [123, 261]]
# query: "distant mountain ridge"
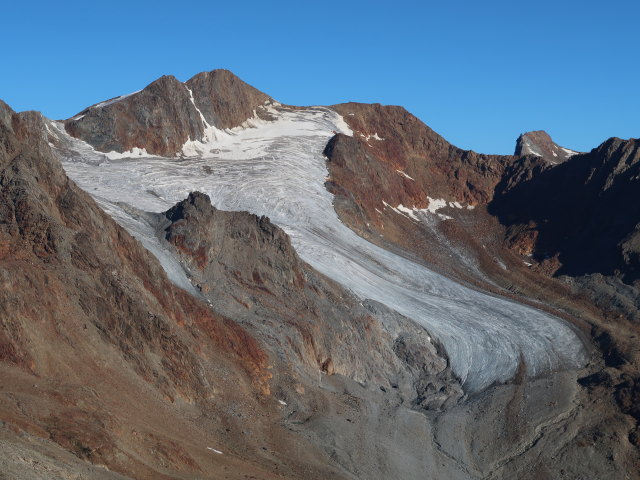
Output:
[[540, 144]]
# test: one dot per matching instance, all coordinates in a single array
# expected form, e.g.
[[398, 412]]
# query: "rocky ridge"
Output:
[[258, 273]]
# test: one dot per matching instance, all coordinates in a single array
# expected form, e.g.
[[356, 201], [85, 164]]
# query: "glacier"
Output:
[[277, 168]]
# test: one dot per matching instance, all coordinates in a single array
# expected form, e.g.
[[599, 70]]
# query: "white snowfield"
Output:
[[278, 169]]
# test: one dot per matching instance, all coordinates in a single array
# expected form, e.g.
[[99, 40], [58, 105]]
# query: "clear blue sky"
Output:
[[477, 72]]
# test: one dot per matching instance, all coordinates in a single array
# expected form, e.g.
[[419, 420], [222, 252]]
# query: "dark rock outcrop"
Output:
[[252, 247], [246, 267]]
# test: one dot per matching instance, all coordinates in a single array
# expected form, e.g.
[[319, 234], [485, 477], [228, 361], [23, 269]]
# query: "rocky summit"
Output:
[[540, 144], [199, 282]]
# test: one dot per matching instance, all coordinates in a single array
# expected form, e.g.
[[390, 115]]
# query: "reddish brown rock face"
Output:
[[576, 218], [165, 114], [160, 119], [224, 99], [438, 168]]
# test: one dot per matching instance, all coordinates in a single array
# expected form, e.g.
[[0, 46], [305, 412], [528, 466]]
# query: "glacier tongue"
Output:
[[277, 169]]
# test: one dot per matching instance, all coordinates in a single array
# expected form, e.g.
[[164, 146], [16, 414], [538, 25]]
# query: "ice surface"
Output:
[[277, 169]]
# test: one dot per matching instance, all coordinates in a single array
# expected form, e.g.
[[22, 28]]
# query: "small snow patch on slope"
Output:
[[435, 204], [375, 136], [204, 121], [134, 152], [402, 210], [404, 175], [114, 100], [569, 152]]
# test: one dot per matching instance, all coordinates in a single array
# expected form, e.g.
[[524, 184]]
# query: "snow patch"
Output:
[[114, 100], [413, 213], [202, 119], [134, 152], [375, 136], [534, 152], [404, 174], [436, 204], [405, 212]]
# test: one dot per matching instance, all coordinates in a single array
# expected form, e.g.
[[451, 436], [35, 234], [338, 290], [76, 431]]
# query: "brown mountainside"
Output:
[[101, 356], [165, 114]]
